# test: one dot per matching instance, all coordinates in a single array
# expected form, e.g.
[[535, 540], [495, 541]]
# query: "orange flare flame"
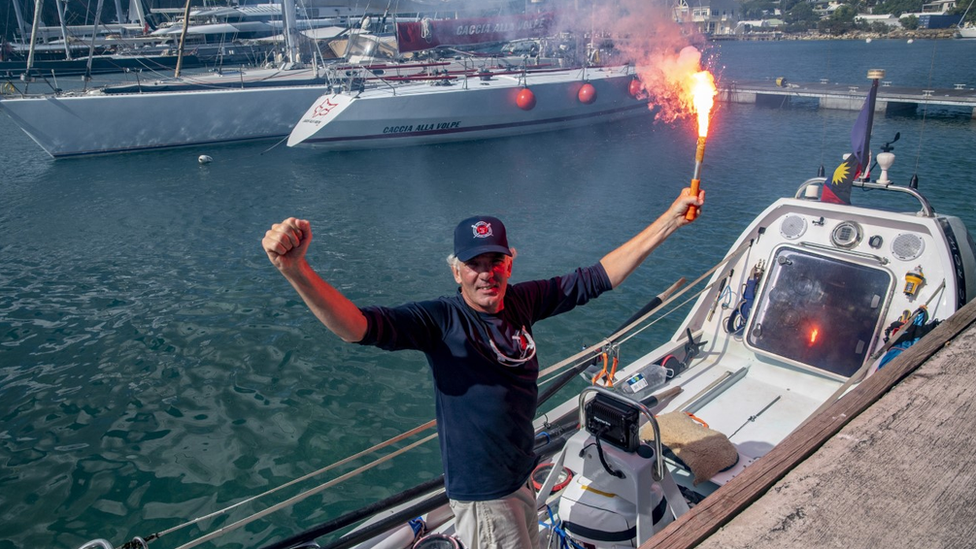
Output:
[[703, 97]]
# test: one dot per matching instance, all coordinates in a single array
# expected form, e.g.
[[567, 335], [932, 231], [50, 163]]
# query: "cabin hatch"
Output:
[[819, 311]]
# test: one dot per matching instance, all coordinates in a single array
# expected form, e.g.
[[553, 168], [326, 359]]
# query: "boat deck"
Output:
[[889, 465]]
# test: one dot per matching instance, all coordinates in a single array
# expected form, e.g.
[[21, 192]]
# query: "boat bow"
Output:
[[326, 109]]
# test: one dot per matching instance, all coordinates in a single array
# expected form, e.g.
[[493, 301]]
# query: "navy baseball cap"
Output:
[[480, 235]]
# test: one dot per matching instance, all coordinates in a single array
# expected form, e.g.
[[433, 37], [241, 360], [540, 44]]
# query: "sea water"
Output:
[[154, 367]]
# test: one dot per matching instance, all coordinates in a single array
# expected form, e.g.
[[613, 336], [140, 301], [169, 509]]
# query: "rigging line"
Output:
[[642, 328], [283, 139], [339, 463], [925, 109], [315, 45], [304, 495], [637, 331], [597, 347], [823, 135]]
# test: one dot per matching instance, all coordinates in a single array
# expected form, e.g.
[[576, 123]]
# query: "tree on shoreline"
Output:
[[909, 22], [962, 7], [839, 22], [801, 18]]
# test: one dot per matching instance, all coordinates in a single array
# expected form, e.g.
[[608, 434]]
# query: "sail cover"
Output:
[[430, 33]]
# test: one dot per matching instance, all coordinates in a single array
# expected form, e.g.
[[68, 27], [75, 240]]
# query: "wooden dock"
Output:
[[891, 99], [892, 464]]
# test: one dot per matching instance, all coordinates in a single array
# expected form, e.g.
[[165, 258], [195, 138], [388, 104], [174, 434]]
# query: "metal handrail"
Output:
[[926, 210]]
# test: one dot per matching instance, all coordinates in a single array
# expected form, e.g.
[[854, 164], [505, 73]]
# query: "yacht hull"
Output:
[[77, 125], [423, 114]]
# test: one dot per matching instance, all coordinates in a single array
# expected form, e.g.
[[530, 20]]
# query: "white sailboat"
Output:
[[474, 106], [491, 103], [966, 30], [101, 123], [266, 103], [231, 106]]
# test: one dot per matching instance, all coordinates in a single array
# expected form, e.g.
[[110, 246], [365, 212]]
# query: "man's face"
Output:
[[483, 280]]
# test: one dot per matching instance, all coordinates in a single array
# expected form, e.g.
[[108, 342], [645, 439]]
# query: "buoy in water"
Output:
[[205, 159], [587, 94], [635, 88], [525, 99], [910, 40]]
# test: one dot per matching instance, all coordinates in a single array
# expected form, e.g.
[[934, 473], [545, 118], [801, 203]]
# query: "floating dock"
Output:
[[892, 100], [889, 465]]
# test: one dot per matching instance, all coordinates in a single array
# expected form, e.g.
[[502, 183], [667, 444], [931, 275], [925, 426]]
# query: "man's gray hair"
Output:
[[454, 263]]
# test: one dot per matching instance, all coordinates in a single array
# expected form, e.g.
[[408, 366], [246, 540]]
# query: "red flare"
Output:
[[703, 97]]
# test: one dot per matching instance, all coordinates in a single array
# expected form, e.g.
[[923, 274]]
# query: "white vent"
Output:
[[907, 246], [793, 227]]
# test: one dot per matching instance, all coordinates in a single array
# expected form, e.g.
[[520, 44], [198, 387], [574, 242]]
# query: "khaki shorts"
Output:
[[511, 522]]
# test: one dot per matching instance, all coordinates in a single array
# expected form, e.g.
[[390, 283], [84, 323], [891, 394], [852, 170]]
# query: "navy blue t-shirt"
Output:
[[485, 373]]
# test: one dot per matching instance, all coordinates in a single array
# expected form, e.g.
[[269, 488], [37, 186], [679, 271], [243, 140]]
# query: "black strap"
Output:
[[624, 535], [600, 535]]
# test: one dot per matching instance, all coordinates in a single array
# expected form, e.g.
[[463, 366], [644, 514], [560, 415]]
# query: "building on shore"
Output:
[[711, 17], [936, 15], [886, 18]]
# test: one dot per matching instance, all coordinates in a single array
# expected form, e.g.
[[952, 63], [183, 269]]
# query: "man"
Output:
[[480, 349]]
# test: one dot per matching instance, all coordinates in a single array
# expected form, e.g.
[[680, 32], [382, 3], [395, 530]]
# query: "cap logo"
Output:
[[481, 229]]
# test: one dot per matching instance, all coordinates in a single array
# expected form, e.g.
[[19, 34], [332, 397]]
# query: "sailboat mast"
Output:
[[962, 20], [21, 25], [179, 50], [135, 6], [91, 47], [290, 28], [64, 28], [33, 37], [118, 12]]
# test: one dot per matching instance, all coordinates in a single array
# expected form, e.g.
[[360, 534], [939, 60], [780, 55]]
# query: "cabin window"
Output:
[[819, 311]]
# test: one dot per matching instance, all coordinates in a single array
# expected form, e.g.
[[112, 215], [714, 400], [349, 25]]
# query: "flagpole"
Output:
[[857, 165], [875, 75]]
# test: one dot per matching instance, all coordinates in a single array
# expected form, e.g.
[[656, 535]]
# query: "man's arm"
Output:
[[625, 259], [286, 244]]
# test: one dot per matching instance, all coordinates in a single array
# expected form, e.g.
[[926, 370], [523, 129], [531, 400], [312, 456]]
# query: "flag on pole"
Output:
[[838, 188], [861, 134]]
